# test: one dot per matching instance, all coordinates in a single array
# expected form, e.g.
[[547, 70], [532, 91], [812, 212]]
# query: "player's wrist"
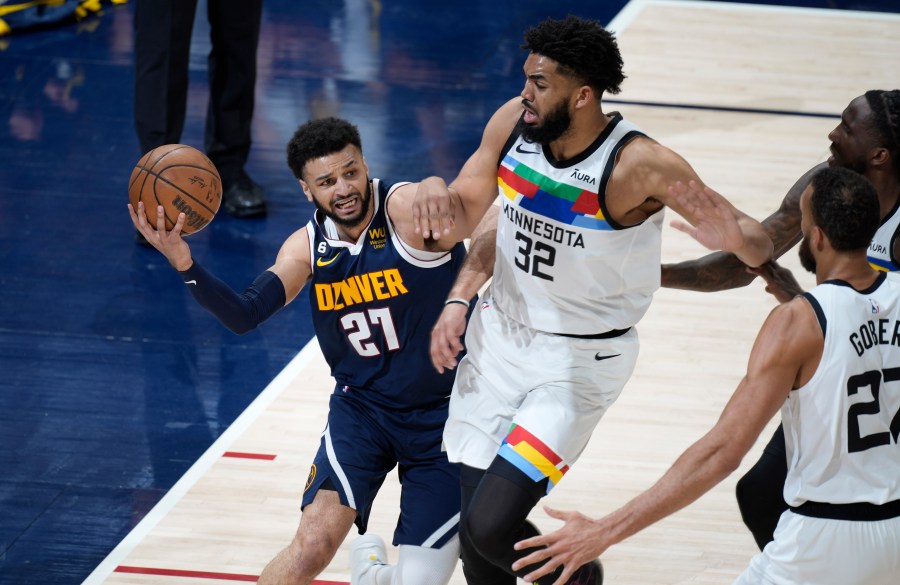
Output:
[[183, 266], [458, 301]]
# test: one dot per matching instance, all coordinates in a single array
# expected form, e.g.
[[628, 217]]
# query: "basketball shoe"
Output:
[[366, 553]]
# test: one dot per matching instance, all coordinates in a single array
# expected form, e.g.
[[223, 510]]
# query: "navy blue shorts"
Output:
[[363, 442]]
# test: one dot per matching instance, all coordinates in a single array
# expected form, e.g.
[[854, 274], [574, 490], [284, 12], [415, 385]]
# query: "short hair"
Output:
[[582, 48], [845, 206], [318, 138], [885, 106]]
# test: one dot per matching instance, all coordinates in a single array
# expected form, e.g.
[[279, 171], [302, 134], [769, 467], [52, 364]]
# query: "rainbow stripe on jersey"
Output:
[[531, 456], [537, 192]]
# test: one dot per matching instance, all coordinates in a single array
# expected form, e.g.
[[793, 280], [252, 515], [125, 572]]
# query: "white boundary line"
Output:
[[204, 463], [626, 16], [740, 7]]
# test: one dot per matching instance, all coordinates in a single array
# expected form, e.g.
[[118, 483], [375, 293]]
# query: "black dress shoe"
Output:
[[244, 198]]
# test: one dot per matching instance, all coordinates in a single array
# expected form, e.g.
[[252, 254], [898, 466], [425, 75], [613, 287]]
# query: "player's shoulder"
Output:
[[297, 244], [504, 120]]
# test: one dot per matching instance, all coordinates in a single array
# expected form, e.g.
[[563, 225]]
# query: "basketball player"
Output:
[[867, 140], [829, 360], [577, 256], [372, 284]]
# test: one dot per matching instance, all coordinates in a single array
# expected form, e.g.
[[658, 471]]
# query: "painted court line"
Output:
[[240, 455], [206, 461], [204, 575]]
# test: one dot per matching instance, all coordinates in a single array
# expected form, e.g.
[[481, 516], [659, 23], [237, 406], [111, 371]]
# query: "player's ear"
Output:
[[306, 190], [818, 238], [584, 97], [880, 157]]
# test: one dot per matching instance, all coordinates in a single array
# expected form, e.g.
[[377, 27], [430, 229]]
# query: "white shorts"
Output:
[[531, 397], [818, 551]]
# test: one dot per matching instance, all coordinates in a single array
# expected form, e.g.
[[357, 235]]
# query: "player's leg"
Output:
[[348, 469], [532, 400], [760, 492], [496, 520], [478, 569], [323, 526], [417, 565], [426, 531]]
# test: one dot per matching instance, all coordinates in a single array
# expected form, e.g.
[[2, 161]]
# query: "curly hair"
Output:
[[885, 106], [582, 48], [318, 138], [845, 205]]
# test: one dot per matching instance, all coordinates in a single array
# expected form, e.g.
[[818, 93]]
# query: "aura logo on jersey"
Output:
[[360, 288]]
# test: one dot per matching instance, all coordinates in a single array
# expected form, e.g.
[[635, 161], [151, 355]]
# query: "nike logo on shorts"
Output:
[[194, 282], [600, 356]]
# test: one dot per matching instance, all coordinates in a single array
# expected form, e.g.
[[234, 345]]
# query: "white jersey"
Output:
[[881, 248], [841, 428], [563, 265]]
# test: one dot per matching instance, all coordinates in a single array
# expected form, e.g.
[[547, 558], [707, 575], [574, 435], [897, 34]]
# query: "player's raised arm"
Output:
[[440, 209], [657, 173], [721, 270]]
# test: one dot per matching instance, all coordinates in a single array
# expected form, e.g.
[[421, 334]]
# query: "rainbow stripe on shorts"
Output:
[[532, 457]]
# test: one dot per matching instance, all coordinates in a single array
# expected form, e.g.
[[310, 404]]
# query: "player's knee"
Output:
[[485, 537], [311, 554]]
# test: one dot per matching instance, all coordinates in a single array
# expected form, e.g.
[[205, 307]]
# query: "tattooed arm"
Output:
[[721, 271]]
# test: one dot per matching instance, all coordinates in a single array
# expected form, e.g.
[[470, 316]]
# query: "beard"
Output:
[[353, 221], [555, 124], [857, 166], [807, 261]]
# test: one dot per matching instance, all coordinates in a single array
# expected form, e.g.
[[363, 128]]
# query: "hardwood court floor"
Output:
[[770, 83]]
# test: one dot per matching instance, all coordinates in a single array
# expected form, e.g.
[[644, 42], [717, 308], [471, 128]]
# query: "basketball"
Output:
[[181, 179]]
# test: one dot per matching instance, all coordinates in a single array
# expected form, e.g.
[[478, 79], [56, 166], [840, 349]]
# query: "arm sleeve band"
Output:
[[240, 313]]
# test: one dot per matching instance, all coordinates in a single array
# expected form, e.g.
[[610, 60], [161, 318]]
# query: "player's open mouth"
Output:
[[530, 115], [347, 203]]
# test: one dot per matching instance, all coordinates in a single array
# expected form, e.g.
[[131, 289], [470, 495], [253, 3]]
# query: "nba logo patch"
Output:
[[876, 308]]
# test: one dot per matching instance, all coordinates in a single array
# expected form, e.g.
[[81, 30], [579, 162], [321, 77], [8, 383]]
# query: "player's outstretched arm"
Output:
[[239, 313], [717, 224], [440, 209], [788, 343], [446, 335], [720, 270]]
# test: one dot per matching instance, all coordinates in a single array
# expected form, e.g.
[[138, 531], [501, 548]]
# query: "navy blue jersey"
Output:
[[374, 303]]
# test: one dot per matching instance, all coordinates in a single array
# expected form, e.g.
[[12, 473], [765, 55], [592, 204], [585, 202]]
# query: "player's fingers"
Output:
[[684, 227], [179, 225], [160, 219], [417, 219]]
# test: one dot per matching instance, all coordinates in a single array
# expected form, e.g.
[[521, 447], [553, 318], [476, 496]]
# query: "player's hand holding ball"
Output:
[[174, 190]]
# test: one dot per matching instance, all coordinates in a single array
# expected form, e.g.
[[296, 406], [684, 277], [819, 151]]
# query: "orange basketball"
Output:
[[181, 179]]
